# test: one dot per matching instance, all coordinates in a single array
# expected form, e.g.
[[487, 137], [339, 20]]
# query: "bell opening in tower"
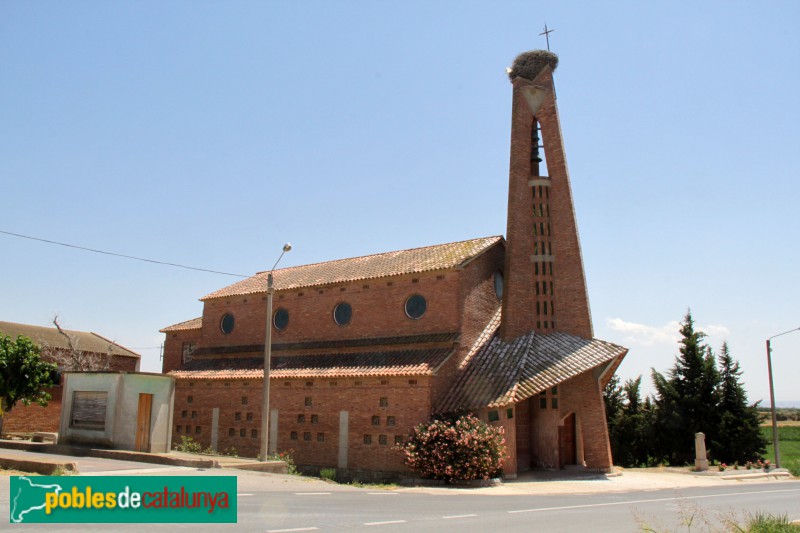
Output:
[[538, 158]]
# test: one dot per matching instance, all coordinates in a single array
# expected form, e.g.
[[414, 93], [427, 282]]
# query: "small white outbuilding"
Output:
[[117, 410]]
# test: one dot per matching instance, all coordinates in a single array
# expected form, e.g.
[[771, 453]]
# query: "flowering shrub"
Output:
[[722, 467], [285, 456], [460, 449]]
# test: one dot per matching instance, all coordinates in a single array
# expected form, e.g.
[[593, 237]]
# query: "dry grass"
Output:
[[5, 473]]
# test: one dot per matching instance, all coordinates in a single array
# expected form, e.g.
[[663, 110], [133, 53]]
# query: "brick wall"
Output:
[[407, 404], [378, 310], [34, 417], [522, 419], [544, 422], [583, 395], [477, 302], [123, 364], [173, 347]]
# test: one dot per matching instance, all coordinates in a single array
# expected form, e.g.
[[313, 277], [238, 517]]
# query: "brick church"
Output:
[[363, 349]]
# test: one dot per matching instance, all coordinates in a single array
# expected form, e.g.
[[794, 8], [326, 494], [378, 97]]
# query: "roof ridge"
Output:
[[115, 343], [377, 254], [169, 328], [434, 258]]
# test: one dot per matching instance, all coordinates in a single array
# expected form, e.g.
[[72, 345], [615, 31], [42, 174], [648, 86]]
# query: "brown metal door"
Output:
[[143, 422]]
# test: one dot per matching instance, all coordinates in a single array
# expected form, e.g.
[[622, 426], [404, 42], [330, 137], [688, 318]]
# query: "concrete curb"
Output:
[[275, 467], [272, 467], [45, 468], [739, 475], [776, 475], [141, 457], [455, 484]]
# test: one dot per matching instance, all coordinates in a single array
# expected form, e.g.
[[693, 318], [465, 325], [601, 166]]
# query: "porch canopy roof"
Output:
[[503, 373]]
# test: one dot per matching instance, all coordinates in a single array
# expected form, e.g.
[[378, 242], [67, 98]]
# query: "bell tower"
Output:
[[545, 282]]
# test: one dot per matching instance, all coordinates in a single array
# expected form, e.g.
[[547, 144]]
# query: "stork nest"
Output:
[[528, 65]]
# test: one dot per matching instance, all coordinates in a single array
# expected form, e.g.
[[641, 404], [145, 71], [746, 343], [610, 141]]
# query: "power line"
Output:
[[145, 347], [121, 255]]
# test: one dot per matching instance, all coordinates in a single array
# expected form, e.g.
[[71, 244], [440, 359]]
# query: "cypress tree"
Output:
[[629, 423], [612, 398], [739, 438], [687, 400]]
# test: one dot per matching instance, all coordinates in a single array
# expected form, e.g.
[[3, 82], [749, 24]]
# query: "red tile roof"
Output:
[[429, 258], [195, 323], [385, 363], [502, 373]]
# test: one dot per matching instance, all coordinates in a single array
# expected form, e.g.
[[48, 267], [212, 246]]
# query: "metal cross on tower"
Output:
[[546, 34]]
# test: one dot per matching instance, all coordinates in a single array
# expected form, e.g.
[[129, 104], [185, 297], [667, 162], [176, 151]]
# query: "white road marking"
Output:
[[459, 516], [294, 529], [384, 523], [244, 494], [382, 493], [312, 493], [674, 498]]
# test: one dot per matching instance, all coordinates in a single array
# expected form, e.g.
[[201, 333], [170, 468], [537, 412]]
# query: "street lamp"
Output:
[[267, 356], [772, 398]]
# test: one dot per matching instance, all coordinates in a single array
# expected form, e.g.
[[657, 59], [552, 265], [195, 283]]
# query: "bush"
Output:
[[287, 458], [460, 449], [230, 452], [328, 473], [188, 445]]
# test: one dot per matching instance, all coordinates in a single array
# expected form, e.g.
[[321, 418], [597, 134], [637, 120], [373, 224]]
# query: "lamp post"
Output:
[[267, 356], [772, 397]]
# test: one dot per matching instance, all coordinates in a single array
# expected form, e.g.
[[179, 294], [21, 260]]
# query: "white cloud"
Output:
[[669, 333], [716, 331], [645, 335]]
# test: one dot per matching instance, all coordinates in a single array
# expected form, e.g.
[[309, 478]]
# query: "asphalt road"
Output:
[[401, 511], [270, 503]]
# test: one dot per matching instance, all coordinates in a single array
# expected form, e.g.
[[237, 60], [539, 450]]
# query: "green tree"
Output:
[[686, 400], [629, 422], [739, 438], [614, 402], [637, 424], [23, 375]]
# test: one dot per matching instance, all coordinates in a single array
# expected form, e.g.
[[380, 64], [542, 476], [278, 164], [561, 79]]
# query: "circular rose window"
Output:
[[416, 306], [342, 313], [280, 319], [226, 324]]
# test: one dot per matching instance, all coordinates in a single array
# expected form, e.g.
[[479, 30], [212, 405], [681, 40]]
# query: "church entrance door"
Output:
[[566, 442]]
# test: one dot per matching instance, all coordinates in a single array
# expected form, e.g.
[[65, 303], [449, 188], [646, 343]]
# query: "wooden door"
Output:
[[566, 442], [143, 422]]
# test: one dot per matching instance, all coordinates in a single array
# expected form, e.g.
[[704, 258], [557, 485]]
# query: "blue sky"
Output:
[[210, 133]]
